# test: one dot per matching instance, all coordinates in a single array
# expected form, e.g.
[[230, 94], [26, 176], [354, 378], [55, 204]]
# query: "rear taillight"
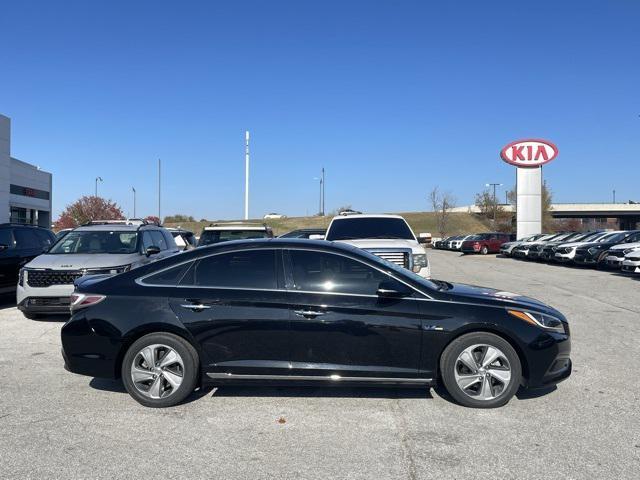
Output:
[[83, 300]]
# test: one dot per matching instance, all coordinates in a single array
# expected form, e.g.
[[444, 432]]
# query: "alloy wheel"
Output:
[[157, 371], [482, 372]]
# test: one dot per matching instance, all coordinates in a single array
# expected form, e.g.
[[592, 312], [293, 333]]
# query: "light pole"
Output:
[[98, 179], [324, 183], [495, 205], [133, 189], [320, 195]]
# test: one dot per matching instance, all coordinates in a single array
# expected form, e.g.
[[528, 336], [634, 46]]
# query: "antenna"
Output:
[[246, 176]]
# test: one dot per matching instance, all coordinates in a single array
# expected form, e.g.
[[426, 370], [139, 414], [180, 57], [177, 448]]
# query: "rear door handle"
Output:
[[196, 307], [308, 313]]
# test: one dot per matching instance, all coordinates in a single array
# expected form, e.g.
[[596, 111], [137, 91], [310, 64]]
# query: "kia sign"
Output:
[[529, 153]]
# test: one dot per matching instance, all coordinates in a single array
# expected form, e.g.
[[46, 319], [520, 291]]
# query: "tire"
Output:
[[159, 385], [31, 316], [486, 388], [484, 250]]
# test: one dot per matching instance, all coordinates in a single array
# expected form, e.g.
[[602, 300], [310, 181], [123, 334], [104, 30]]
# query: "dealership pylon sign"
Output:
[[528, 156]]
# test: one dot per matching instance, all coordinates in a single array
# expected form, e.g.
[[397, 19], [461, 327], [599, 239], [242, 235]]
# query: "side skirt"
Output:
[[333, 379]]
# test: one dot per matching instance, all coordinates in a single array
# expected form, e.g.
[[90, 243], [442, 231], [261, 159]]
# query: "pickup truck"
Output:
[[387, 236]]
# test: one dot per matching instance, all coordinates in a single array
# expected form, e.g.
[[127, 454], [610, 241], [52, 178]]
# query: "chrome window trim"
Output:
[[140, 280]]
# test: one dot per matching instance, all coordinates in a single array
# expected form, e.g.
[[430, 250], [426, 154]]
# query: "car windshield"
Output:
[[614, 237], [103, 241], [481, 236], [358, 228], [209, 237]]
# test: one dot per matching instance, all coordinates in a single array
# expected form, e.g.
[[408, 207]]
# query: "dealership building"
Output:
[[25, 190]]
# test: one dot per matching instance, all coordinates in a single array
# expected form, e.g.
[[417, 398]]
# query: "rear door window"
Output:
[[245, 269], [6, 237], [26, 238]]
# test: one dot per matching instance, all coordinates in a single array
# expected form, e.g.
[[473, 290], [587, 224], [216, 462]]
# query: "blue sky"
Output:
[[391, 97]]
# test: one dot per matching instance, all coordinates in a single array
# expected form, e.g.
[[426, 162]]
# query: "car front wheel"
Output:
[[481, 370], [160, 370], [484, 250]]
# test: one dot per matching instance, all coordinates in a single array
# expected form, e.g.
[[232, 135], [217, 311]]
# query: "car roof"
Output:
[[367, 215], [236, 226], [110, 227]]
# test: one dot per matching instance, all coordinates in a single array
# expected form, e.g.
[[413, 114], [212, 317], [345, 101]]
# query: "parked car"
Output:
[[19, 244], [617, 254], [484, 243], [522, 251], [387, 236], [45, 284], [507, 248], [185, 239], [536, 250], [225, 232], [631, 262], [564, 252], [456, 244], [274, 216], [348, 211], [61, 233], [326, 313], [442, 244], [305, 233], [451, 240], [594, 253]]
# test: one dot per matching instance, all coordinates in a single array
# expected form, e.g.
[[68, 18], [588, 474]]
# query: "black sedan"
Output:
[[594, 254], [282, 311]]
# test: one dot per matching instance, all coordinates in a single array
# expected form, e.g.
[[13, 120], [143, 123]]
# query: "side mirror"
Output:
[[391, 289], [316, 236], [152, 250]]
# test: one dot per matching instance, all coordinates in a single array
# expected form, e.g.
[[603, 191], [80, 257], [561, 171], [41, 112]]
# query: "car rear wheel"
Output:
[[481, 370], [160, 370], [484, 250]]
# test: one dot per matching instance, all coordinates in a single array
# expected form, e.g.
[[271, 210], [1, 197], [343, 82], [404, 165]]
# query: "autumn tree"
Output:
[[441, 205], [86, 209], [152, 219]]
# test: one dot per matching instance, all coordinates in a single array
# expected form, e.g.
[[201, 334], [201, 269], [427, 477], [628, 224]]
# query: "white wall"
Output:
[[529, 201], [5, 167]]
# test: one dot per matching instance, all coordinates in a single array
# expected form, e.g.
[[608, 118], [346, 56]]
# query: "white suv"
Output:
[[387, 236]]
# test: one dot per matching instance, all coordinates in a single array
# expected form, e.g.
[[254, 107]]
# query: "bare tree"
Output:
[[441, 205]]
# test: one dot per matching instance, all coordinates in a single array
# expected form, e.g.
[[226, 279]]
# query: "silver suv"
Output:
[[108, 247]]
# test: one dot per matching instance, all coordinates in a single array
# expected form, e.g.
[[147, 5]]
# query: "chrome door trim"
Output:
[[323, 378]]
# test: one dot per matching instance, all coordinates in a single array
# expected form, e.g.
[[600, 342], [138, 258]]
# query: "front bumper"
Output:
[[549, 361], [48, 300], [613, 261], [631, 266], [564, 257]]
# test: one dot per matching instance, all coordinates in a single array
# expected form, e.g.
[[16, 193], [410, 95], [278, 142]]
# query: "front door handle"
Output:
[[196, 307], [308, 313]]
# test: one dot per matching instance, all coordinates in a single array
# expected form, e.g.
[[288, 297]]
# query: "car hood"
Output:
[[373, 243], [572, 244], [492, 296], [79, 261], [624, 246]]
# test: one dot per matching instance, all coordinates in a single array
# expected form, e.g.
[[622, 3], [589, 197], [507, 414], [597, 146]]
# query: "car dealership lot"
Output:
[[57, 424]]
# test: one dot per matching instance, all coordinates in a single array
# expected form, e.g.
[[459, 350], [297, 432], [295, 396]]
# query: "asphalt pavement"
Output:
[[55, 424]]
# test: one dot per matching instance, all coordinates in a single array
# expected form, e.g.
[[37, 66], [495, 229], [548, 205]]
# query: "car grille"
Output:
[[616, 253], [46, 278], [398, 257]]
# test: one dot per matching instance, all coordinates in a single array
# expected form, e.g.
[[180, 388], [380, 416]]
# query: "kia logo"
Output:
[[529, 153]]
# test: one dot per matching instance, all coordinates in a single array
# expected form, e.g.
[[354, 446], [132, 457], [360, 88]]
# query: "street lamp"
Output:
[[495, 205], [98, 179]]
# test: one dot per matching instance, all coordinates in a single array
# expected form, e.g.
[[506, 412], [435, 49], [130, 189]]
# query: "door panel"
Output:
[[339, 325], [242, 332], [232, 305]]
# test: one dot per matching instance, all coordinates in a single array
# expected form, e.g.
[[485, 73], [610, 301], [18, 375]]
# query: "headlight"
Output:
[[419, 261], [629, 250], [21, 277], [543, 320], [108, 270]]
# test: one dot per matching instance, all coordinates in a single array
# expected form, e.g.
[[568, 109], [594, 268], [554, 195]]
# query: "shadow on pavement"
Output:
[[7, 301], [321, 392], [528, 394]]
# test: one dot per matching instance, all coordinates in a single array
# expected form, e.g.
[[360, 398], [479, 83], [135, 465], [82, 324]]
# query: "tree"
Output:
[[178, 218], [86, 209], [488, 206], [441, 204], [152, 219]]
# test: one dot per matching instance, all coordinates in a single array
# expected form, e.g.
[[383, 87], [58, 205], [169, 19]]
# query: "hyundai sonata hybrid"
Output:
[[283, 311]]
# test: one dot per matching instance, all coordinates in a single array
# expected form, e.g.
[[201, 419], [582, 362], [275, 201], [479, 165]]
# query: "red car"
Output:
[[485, 243]]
